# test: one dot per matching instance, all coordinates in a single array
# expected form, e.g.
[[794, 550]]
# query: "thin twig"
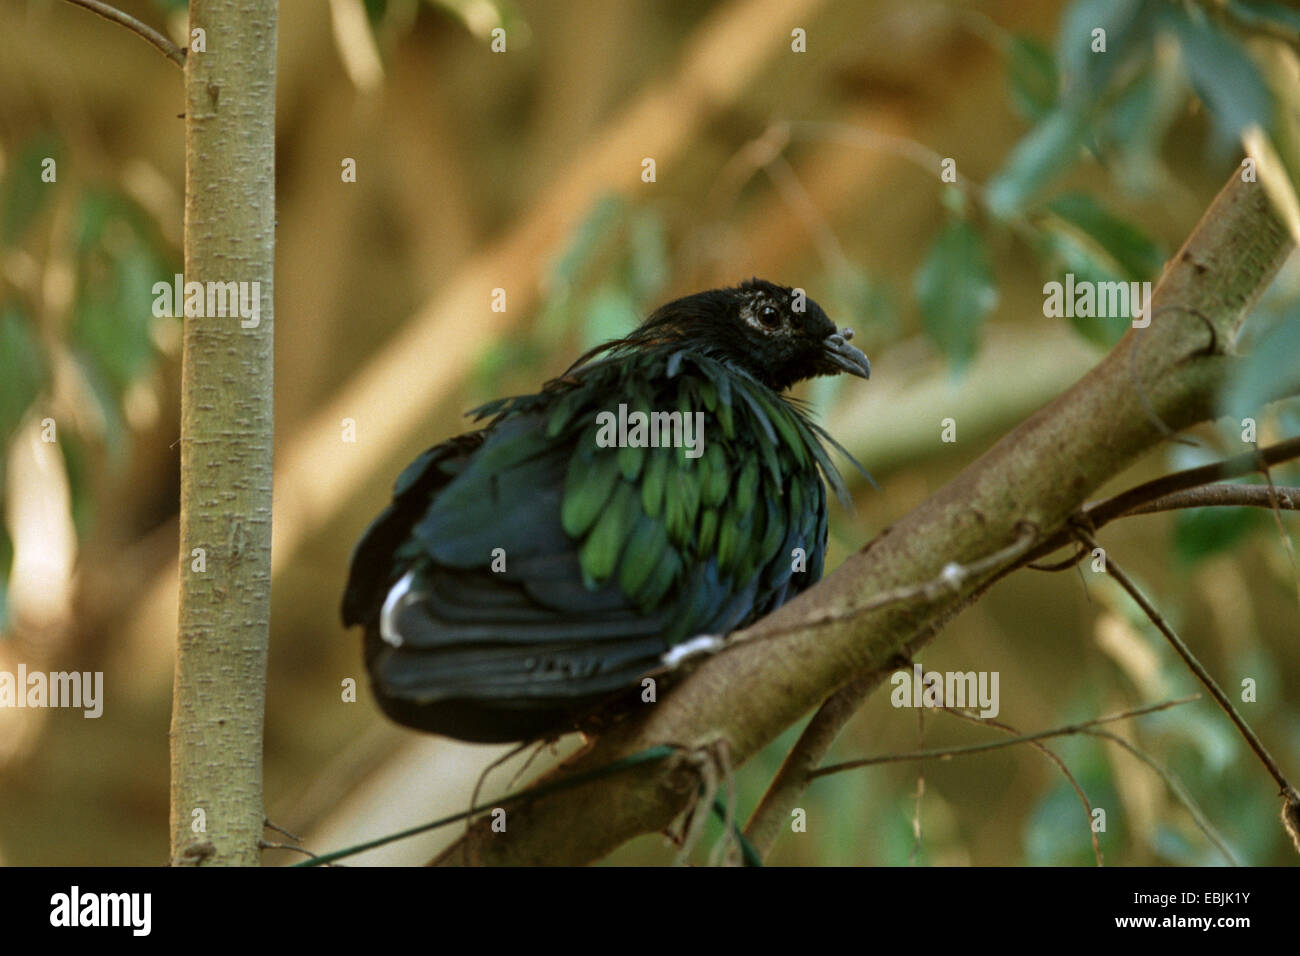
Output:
[[649, 755], [748, 855], [168, 49], [946, 752], [765, 823], [1224, 496], [1051, 755], [698, 814], [1128, 502], [279, 829], [950, 579], [264, 845], [1245, 464], [864, 138], [719, 854], [1275, 498], [478, 787], [1185, 798], [1116, 572], [783, 177], [1275, 508], [817, 737], [920, 790]]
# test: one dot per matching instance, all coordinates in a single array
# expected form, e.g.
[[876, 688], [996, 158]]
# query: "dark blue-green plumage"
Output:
[[525, 572]]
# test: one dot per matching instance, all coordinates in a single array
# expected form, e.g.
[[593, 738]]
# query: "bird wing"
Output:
[[525, 568]]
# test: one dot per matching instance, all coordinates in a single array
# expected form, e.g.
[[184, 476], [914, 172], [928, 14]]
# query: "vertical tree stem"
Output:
[[226, 430]]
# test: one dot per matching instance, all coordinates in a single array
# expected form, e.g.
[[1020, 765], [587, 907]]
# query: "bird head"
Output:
[[777, 334]]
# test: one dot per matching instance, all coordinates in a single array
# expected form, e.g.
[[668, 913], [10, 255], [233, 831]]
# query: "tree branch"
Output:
[[813, 744], [165, 46], [219, 695], [1195, 666], [1135, 500], [936, 753], [750, 693], [1224, 496], [773, 812]]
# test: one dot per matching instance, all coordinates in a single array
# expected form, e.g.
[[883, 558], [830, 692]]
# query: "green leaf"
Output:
[[498, 359], [648, 265], [1045, 152], [1137, 257], [95, 211], [1055, 831], [1288, 418], [1277, 150], [23, 192], [867, 302], [22, 371], [109, 325], [1261, 13], [112, 424], [588, 239], [80, 488], [376, 10], [610, 314], [117, 267], [1223, 74], [1135, 125], [1031, 72], [956, 291], [1068, 250], [1085, 72], [1202, 532], [1271, 369]]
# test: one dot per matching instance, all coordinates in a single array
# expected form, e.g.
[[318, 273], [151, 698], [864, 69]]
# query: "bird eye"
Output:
[[769, 316]]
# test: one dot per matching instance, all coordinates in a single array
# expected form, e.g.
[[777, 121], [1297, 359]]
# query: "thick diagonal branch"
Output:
[[1038, 475]]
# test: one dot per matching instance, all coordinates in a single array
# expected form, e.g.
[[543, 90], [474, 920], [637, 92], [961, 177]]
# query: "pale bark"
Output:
[[226, 431]]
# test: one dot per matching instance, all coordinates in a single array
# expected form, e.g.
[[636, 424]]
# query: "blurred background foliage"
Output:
[[821, 169]]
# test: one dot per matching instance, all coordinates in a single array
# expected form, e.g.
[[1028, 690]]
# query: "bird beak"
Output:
[[843, 356]]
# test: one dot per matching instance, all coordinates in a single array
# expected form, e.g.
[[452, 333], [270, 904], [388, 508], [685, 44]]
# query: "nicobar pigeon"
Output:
[[527, 572]]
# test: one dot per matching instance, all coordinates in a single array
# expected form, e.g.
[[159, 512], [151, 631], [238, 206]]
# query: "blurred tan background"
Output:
[[522, 170]]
